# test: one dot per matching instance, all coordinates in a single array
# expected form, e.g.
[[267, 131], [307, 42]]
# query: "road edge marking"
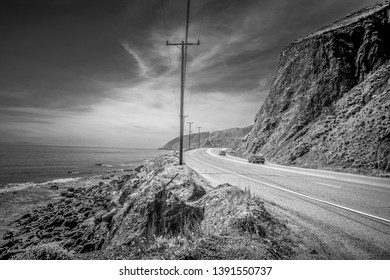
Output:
[[303, 172], [295, 193]]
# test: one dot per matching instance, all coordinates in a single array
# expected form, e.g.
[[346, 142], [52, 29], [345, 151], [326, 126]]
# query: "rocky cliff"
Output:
[[329, 104], [228, 138]]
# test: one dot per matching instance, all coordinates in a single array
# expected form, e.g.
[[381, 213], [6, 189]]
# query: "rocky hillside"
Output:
[[329, 104], [228, 138]]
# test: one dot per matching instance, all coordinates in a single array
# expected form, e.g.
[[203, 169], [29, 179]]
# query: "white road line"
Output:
[[295, 193], [307, 173], [329, 185]]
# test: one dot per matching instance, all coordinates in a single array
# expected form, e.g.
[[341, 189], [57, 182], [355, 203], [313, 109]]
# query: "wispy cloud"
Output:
[[142, 65]]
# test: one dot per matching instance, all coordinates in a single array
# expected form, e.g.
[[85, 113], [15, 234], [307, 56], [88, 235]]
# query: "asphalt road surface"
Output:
[[337, 215]]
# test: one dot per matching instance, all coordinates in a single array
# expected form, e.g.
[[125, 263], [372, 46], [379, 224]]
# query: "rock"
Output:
[[99, 214], [125, 192], [99, 244], [139, 168], [70, 223], [108, 216], [67, 194], [90, 222], [197, 192], [56, 222], [68, 213], [77, 235], [69, 244], [111, 205], [7, 243], [25, 216], [46, 235], [2, 250], [8, 235], [8, 254], [88, 247]]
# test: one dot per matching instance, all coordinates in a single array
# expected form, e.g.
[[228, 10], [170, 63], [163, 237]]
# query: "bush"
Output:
[[50, 251]]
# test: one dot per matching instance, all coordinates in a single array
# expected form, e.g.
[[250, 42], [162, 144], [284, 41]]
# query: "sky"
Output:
[[98, 72]]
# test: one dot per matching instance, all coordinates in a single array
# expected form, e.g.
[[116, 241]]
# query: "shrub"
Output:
[[50, 251]]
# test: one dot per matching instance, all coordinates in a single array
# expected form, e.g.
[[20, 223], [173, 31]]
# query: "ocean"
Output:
[[35, 163]]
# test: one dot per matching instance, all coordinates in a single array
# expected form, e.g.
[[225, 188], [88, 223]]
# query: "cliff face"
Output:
[[329, 103], [228, 138]]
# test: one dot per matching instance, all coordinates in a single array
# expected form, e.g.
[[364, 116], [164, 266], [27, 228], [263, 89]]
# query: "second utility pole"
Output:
[[199, 127], [189, 135], [183, 45]]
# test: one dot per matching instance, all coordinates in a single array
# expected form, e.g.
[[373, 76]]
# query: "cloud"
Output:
[[98, 73], [144, 69]]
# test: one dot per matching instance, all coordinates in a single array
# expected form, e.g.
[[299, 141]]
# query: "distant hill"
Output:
[[329, 104], [228, 138]]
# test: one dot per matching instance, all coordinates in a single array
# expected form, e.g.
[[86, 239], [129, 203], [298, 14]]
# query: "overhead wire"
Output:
[[174, 86], [194, 69]]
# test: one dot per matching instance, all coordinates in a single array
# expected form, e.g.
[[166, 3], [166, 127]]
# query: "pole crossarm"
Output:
[[183, 44]]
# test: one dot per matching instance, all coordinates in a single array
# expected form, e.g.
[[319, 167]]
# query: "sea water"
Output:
[[36, 163]]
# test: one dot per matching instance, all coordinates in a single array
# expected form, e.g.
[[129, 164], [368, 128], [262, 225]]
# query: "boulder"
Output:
[[196, 193]]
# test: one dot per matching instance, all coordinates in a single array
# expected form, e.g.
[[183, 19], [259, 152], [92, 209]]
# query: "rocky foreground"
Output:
[[160, 211]]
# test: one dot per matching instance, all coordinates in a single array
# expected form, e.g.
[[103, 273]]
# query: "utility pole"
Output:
[[199, 127], [183, 45], [189, 135]]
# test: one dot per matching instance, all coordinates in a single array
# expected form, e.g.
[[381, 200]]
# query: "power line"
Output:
[[194, 58], [171, 79]]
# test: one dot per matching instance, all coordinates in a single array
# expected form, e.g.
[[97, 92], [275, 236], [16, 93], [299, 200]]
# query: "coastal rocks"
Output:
[[79, 222], [328, 104]]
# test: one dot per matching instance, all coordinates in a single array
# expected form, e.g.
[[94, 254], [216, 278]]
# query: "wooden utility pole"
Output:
[[189, 135], [183, 45], [199, 127]]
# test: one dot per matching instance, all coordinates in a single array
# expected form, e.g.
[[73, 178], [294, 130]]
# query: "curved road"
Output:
[[335, 215]]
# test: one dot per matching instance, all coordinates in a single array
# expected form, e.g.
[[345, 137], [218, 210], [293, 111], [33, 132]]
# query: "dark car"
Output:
[[256, 159], [222, 153]]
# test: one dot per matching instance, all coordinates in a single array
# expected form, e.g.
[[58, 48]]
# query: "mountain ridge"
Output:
[[227, 138]]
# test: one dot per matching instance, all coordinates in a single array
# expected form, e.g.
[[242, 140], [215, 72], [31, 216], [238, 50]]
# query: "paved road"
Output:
[[341, 216]]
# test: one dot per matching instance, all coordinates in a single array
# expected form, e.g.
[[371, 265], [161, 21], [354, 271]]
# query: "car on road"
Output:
[[222, 153], [256, 159]]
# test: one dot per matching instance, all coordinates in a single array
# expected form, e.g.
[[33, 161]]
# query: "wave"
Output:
[[12, 187]]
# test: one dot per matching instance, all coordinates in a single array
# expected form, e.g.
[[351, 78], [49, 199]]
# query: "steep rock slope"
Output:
[[228, 138], [329, 104]]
